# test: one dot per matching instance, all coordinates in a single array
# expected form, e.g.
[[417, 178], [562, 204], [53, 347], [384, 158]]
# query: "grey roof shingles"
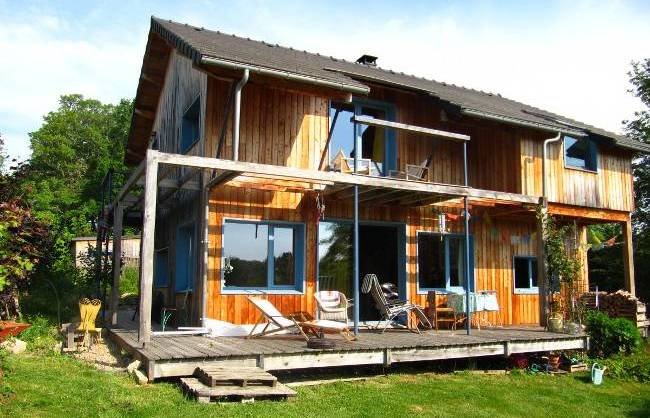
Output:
[[198, 43]]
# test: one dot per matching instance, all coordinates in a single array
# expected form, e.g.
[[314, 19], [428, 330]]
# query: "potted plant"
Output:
[[556, 319], [554, 360]]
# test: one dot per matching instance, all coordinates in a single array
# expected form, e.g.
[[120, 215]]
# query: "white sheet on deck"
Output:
[[218, 328]]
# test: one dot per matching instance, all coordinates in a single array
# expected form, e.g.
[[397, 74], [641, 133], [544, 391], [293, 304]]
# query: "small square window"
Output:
[[190, 126], [525, 271], [580, 153]]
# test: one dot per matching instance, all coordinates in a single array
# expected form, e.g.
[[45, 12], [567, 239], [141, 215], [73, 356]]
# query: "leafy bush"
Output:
[[635, 366], [41, 336], [129, 281], [610, 336]]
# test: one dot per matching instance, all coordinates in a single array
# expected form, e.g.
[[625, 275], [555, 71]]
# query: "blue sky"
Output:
[[570, 57]]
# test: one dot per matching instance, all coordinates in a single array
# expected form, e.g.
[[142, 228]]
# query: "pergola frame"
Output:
[[225, 171]]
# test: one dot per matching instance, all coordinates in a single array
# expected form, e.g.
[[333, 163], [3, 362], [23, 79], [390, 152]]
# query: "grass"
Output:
[[54, 385]]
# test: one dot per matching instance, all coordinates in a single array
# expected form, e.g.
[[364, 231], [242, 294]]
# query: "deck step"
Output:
[[239, 376], [204, 394]]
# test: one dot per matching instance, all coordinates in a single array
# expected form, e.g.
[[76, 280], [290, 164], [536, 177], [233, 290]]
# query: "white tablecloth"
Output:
[[478, 302]]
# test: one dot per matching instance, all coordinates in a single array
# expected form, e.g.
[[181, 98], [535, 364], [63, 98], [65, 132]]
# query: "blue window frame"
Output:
[[525, 272], [375, 143], [161, 269], [266, 255], [581, 153], [190, 126], [441, 262], [185, 258]]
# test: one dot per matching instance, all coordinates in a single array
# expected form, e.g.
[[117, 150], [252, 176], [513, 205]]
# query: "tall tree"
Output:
[[71, 152], [639, 129]]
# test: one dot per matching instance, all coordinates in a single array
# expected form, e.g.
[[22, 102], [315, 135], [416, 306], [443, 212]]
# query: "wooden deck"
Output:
[[173, 356]]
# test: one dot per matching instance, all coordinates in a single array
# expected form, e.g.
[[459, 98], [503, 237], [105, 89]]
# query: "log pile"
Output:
[[620, 304]]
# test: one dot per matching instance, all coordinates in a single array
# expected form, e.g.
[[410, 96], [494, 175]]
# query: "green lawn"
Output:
[[53, 386]]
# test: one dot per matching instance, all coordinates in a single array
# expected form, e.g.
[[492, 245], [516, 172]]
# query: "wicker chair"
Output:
[[332, 305]]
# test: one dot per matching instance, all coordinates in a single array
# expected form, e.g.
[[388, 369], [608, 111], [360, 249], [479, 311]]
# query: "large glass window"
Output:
[[374, 142], [335, 256], [262, 255], [580, 153], [525, 270], [441, 261]]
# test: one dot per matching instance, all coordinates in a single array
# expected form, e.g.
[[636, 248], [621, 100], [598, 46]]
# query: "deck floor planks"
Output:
[[199, 347]]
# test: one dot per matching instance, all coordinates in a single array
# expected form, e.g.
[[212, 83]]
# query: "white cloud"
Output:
[[47, 61]]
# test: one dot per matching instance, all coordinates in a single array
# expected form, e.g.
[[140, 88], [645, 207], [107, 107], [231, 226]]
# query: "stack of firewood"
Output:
[[620, 304]]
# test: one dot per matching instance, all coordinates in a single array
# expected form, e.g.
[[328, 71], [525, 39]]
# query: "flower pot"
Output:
[[554, 361], [555, 325], [573, 328]]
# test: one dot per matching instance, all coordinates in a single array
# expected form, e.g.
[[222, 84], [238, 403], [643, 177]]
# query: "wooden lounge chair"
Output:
[[440, 314], [390, 310], [332, 305], [413, 171], [282, 323]]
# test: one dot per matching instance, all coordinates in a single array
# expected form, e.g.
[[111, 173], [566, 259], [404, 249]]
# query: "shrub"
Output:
[[610, 336], [635, 366], [41, 336], [129, 281]]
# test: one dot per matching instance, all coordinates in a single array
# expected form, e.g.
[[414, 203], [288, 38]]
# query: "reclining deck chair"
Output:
[[391, 310], [282, 323]]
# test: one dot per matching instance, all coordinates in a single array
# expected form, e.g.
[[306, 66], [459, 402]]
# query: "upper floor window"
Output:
[[580, 153], [263, 255], [525, 269], [190, 126], [375, 143]]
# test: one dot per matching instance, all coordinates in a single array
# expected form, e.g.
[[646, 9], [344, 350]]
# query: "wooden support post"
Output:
[[542, 279], [147, 253], [118, 214], [628, 256]]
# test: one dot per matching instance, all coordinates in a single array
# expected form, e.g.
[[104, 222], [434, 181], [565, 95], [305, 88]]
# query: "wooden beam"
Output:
[[628, 256], [179, 184], [118, 212], [600, 215], [335, 177], [147, 246], [542, 265], [367, 120], [144, 113], [137, 173]]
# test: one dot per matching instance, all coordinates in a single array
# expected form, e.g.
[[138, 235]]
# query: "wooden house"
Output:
[[265, 169]]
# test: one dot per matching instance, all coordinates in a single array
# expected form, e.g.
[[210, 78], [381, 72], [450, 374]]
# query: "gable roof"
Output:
[[201, 45]]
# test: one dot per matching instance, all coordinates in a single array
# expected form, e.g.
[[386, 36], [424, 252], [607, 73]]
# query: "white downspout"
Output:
[[235, 137], [544, 157]]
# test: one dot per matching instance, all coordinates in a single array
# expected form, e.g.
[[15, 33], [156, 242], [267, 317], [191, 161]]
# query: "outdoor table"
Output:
[[483, 301]]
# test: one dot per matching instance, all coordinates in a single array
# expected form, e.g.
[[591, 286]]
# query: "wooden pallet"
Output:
[[204, 394], [243, 377], [571, 368]]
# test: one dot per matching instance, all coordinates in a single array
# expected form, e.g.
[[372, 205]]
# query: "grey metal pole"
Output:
[[467, 275], [355, 272], [468, 322]]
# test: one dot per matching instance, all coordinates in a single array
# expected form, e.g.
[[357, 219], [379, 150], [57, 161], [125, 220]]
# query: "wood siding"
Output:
[[611, 187], [183, 84], [278, 127], [496, 242]]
